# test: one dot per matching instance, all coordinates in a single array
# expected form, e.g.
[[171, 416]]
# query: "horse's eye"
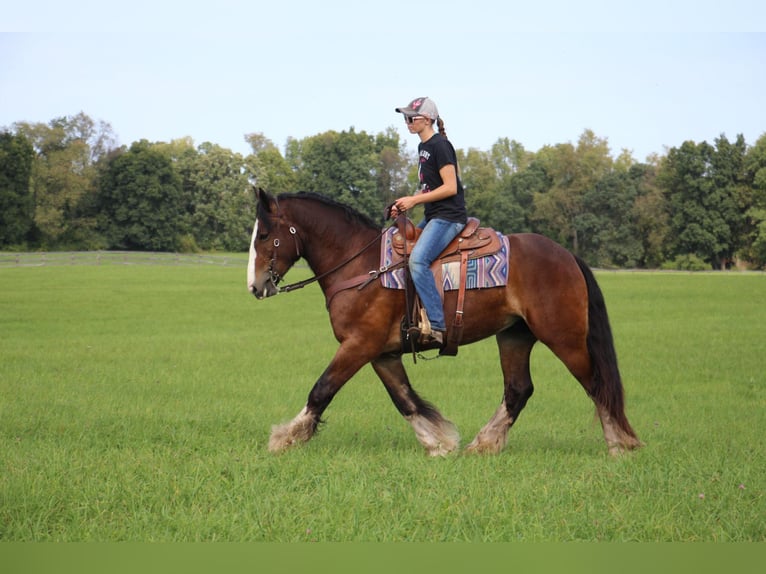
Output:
[[263, 236]]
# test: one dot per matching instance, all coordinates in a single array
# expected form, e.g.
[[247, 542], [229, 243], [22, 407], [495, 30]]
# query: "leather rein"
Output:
[[275, 277]]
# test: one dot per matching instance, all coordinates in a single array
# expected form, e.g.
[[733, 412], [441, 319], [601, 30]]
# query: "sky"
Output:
[[646, 76]]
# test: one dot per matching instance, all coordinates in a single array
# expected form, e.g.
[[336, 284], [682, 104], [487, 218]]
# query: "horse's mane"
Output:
[[351, 214]]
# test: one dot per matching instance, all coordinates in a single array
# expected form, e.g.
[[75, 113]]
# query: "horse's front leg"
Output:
[[437, 434], [347, 361]]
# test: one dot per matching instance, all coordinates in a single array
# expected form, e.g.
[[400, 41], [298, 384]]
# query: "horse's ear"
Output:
[[263, 198]]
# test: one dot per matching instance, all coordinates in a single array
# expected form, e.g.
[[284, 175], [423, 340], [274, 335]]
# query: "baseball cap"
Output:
[[420, 107]]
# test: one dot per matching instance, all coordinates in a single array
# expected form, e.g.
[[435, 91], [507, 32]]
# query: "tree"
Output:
[[683, 175], [63, 179], [341, 165], [702, 185], [609, 234], [734, 192], [140, 200], [479, 178], [517, 181], [509, 157], [755, 168], [650, 214], [267, 168], [16, 206], [521, 188], [572, 171], [392, 170], [220, 209]]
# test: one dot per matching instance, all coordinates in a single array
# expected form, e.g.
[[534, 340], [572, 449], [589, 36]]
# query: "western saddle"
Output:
[[472, 242]]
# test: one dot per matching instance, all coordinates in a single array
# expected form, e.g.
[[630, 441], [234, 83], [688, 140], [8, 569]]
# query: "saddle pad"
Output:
[[482, 272]]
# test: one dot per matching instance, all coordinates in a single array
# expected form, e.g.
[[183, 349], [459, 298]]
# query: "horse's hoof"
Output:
[[441, 450], [483, 448]]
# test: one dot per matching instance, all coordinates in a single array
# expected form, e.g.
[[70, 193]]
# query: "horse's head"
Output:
[[273, 248]]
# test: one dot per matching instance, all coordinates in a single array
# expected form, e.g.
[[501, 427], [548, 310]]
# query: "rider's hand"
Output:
[[404, 204]]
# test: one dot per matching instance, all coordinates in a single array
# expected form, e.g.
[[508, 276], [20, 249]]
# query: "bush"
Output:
[[187, 244], [687, 262]]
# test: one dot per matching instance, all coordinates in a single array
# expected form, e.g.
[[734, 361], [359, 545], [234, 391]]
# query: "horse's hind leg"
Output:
[[434, 432], [604, 387], [515, 346]]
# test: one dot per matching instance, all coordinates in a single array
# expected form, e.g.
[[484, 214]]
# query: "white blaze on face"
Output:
[[251, 260]]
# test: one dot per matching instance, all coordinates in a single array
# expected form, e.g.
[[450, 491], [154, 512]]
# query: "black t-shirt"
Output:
[[433, 155]]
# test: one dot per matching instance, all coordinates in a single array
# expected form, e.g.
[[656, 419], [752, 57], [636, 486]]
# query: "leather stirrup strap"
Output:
[[456, 334], [410, 295]]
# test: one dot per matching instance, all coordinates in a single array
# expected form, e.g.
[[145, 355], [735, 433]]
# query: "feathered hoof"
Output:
[[438, 435], [478, 446], [297, 431], [625, 447]]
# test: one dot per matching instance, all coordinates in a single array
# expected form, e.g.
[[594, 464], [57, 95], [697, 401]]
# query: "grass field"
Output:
[[136, 403]]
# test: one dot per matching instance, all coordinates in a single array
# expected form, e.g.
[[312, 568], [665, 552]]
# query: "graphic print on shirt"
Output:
[[424, 157]]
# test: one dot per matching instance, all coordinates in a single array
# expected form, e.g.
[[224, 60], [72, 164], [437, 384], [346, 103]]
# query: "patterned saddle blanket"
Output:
[[484, 269]]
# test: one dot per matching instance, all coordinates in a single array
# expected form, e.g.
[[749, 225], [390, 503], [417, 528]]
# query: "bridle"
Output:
[[275, 277]]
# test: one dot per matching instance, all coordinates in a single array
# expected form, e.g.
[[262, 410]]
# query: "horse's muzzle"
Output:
[[268, 290]]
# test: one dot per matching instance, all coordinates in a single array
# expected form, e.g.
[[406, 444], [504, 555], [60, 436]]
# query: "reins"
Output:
[[302, 284], [275, 277]]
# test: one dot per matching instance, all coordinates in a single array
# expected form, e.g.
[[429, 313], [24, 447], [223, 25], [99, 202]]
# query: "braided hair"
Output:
[[440, 125]]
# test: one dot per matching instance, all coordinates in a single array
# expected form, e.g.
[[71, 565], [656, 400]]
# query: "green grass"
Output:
[[136, 404]]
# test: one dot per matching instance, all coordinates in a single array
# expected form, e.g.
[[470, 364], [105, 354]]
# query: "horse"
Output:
[[551, 296]]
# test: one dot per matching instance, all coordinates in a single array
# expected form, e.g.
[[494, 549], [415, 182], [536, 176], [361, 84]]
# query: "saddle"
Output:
[[476, 241], [472, 242]]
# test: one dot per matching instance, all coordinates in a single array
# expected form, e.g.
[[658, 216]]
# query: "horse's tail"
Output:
[[606, 384]]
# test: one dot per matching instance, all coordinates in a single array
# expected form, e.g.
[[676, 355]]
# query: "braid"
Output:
[[440, 125]]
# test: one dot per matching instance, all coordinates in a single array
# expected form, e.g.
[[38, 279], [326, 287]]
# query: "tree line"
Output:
[[68, 185]]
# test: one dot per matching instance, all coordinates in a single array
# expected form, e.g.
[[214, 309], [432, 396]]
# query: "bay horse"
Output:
[[551, 296]]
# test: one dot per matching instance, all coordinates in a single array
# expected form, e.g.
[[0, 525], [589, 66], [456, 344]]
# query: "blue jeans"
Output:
[[437, 233]]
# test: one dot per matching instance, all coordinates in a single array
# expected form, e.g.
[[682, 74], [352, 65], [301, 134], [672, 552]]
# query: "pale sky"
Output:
[[646, 75]]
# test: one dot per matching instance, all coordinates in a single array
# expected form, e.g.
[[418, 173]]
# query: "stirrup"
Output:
[[425, 324], [432, 340]]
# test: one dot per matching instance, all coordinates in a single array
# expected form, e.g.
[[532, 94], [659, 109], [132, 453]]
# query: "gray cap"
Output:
[[420, 107]]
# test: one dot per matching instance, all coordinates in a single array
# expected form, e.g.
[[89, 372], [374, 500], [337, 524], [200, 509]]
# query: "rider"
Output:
[[441, 193]]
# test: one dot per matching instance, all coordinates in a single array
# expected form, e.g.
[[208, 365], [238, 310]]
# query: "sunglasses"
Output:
[[411, 119]]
